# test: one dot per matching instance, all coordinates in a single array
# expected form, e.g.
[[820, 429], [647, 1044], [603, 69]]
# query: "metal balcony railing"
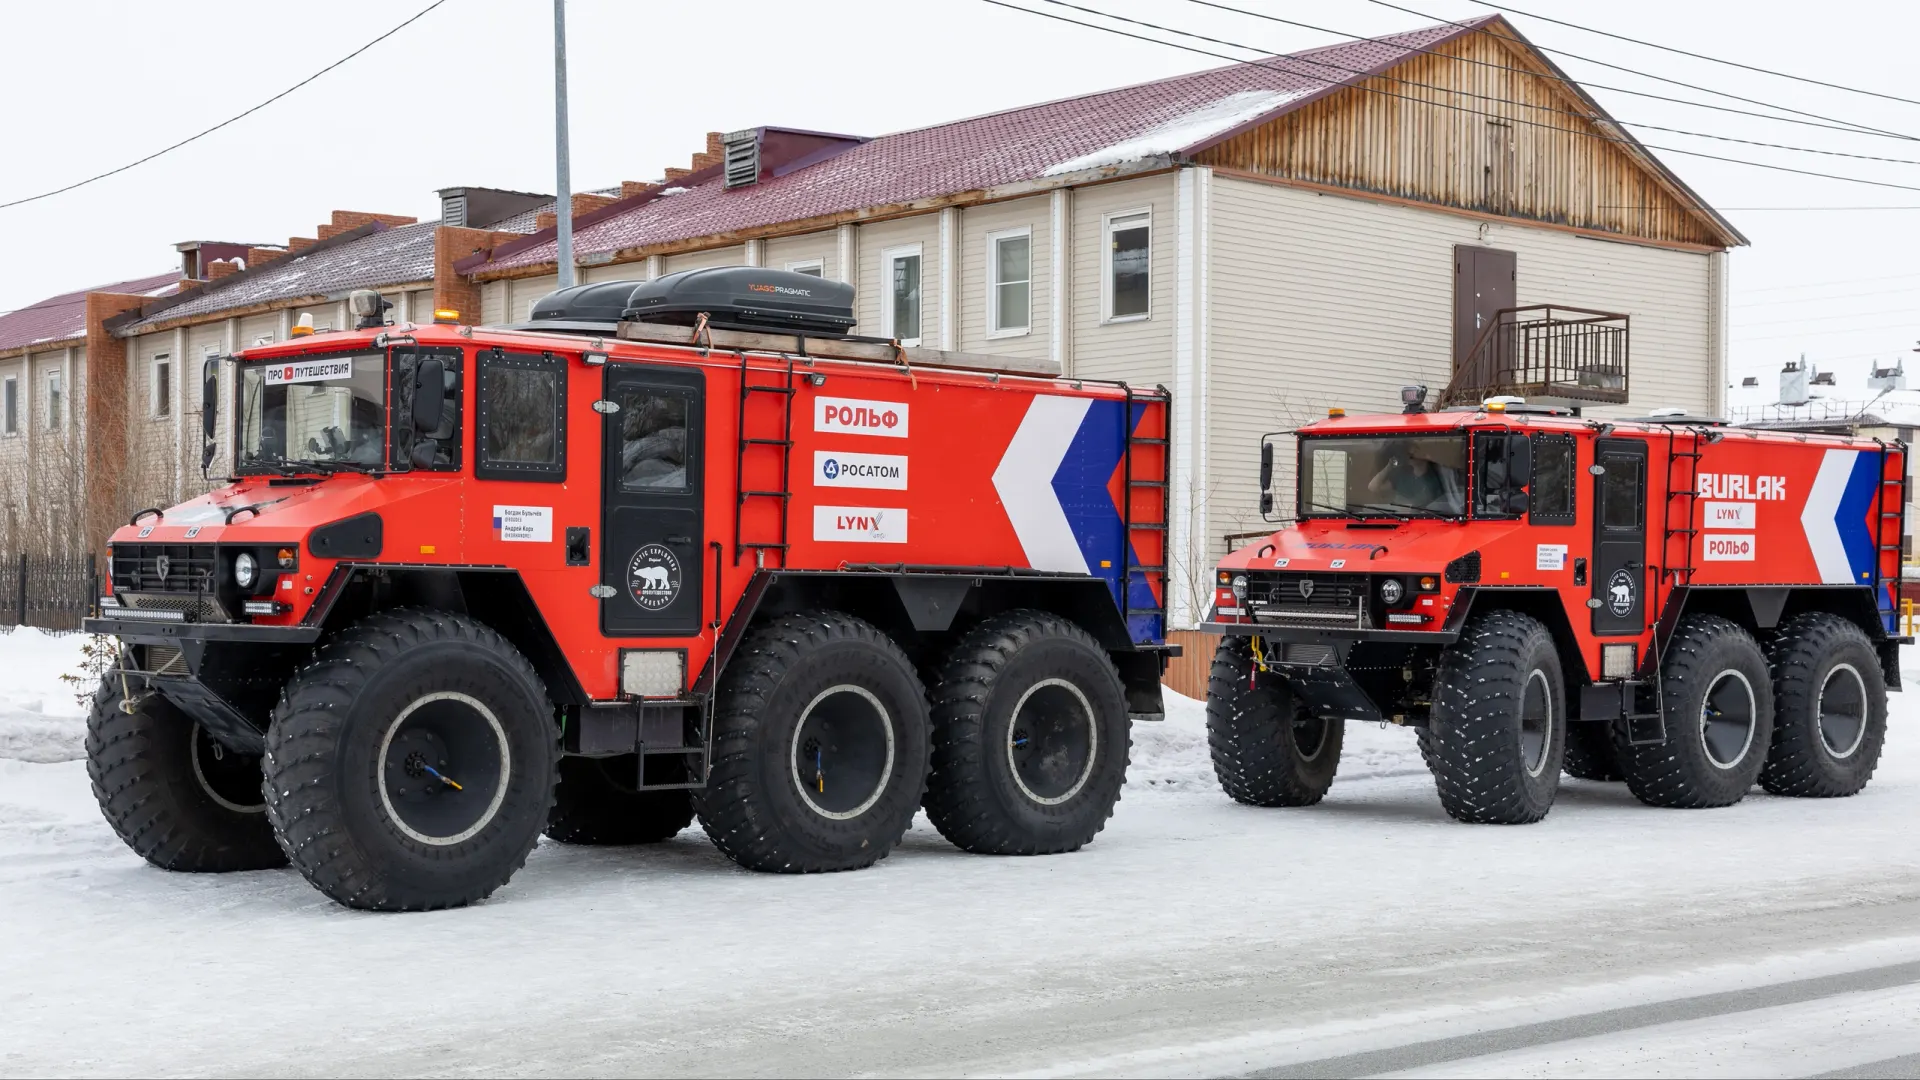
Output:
[[1545, 351]]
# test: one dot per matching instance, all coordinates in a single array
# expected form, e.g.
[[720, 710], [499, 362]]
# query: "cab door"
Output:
[[1619, 536], [652, 527]]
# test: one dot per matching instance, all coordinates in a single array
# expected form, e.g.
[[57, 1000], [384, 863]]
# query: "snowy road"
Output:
[[1366, 936]]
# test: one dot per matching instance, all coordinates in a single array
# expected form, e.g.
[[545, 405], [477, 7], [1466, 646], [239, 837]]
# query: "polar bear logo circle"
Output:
[[653, 577]]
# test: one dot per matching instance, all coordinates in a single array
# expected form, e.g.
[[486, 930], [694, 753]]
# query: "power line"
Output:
[[1418, 101], [1824, 284], [230, 119], [1645, 75], [1909, 309], [1910, 290], [1911, 325], [1835, 123], [1703, 56]]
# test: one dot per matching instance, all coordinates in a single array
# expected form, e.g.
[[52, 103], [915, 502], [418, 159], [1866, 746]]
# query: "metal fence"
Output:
[[52, 592], [1545, 350]]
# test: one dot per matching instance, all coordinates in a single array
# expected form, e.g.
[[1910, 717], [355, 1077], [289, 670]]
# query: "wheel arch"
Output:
[[1540, 604], [495, 597]]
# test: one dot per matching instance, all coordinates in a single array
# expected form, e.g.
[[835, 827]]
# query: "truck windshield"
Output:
[[1383, 476], [324, 414]]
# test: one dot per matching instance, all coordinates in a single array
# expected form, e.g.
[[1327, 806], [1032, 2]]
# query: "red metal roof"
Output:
[[1183, 114], [64, 317]]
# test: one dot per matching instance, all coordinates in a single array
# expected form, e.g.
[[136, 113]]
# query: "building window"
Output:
[[54, 402], [162, 386], [900, 306], [809, 267], [1129, 253], [1009, 282], [11, 417]]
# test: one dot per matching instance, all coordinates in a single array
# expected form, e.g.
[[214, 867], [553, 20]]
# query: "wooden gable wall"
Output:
[[1463, 127]]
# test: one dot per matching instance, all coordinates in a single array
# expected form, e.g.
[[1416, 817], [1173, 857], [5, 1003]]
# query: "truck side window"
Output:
[[1492, 492], [522, 417], [653, 439], [1554, 481], [433, 451], [1620, 503]]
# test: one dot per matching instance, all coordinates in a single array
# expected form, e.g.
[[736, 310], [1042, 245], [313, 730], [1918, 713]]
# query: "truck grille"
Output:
[[165, 568], [204, 607], [1308, 599]]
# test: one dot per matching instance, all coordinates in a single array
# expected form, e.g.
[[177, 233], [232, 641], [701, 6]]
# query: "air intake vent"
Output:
[[1464, 570], [453, 210], [742, 150]]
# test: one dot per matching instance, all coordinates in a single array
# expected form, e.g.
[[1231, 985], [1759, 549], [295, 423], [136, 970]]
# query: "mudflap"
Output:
[[216, 714], [1328, 691]]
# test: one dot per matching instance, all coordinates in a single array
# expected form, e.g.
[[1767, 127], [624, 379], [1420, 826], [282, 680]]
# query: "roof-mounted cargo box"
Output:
[[736, 297]]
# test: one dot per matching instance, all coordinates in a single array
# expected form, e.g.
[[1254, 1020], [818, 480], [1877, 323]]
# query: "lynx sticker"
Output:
[[653, 577], [859, 417], [835, 468], [523, 524], [1727, 547], [860, 524], [306, 371], [1727, 515]]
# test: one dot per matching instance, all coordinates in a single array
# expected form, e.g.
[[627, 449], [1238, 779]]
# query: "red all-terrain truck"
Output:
[[668, 549], [1684, 605]]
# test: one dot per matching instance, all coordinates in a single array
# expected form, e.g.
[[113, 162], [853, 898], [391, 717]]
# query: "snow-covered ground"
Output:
[[39, 718], [1195, 936]]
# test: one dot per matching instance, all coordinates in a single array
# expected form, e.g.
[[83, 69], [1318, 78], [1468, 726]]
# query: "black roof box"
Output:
[[732, 297], [746, 298]]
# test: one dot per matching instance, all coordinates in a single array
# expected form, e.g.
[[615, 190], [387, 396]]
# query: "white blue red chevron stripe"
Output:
[[1835, 516]]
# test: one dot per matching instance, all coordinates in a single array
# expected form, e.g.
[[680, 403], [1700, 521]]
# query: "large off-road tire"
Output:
[[1829, 708], [179, 799], [598, 803], [1590, 752], [1497, 734], [1030, 737], [367, 746], [1718, 696], [820, 737], [1267, 750]]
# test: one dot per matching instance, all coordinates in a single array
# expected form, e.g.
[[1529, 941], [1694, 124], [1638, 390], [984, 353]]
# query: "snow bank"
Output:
[[1171, 755], [39, 718], [1181, 132]]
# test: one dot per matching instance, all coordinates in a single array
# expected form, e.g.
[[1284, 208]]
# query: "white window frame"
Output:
[[10, 384], [801, 266], [887, 258], [994, 329], [1123, 219], [56, 420], [160, 407]]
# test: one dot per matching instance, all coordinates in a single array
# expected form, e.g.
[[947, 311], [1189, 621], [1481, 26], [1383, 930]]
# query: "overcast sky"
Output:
[[464, 96]]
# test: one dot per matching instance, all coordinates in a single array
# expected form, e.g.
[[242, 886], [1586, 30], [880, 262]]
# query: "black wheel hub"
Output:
[[443, 770], [1727, 718], [1843, 711], [231, 778], [1051, 742], [843, 752]]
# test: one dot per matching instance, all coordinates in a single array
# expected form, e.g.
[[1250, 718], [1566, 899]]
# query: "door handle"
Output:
[[679, 539]]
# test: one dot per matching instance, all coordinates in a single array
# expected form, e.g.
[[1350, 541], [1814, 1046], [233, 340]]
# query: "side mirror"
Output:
[[209, 396], [209, 411], [1266, 504], [1266, 468], [429, 393], [1519, 461]]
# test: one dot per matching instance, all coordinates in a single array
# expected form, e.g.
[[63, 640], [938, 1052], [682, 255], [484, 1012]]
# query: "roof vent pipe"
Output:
[[741, 151]]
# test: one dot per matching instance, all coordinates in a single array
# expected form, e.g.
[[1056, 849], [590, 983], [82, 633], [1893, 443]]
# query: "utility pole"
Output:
[[563, 198]]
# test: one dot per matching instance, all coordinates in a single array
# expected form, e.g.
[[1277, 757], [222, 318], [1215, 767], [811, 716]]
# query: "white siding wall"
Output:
[[255, 328], [699, 260], [493, 302], [1320, 300], [523, 292], [871, 288], [976, 224], [627, 271], [420, 306], [1142, 351], [825, 246]]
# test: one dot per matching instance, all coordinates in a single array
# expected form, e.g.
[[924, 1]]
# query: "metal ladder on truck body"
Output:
[[783, 443], [1138, 476]]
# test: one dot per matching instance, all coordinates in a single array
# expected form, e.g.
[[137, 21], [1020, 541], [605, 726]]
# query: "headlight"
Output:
[[1240, 586], [1391, 591], [245, 570]]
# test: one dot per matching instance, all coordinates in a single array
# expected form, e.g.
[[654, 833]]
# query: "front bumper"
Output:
[[1273, 632], [143, 630]]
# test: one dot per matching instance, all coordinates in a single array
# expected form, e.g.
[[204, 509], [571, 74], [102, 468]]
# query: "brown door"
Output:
[[1483, 283]]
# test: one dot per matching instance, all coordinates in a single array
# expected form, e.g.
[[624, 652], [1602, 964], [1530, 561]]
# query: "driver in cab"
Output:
[[1415, 479]]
